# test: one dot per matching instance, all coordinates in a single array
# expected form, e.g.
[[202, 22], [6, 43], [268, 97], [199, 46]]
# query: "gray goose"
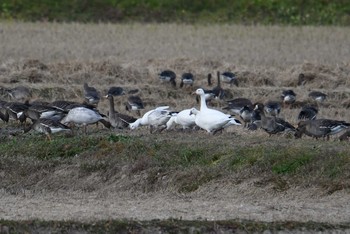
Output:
[[66, 106], [246, 114], [116, 91], [47, 126], [19, 93], [317, 96], [16, 111], [236, 105], [272, 124], [187, 79], [3, 114], [320, 128], [272, 108], [229, 77], [288, 97], [308, 113], [91, 95], [134, 103], [168, 76], [118, 120], [38, 111], [218, 91]]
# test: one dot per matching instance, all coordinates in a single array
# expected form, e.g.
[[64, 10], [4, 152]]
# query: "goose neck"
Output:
[[111, 105], [203, 103]]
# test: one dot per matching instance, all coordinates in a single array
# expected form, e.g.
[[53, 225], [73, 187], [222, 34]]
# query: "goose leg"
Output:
[[162, 128]]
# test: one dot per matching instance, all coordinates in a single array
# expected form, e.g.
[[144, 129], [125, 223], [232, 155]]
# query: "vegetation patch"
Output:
[[220, 11], [38, 147], [179, 162]]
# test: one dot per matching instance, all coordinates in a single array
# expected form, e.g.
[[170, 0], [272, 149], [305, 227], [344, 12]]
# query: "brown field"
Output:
[[55, 59]]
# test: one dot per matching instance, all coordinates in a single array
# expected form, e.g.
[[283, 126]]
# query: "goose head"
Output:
[[135, 124], [200, 92], [193, 111]]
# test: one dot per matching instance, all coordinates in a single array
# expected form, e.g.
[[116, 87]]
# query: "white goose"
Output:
[[154, 118], [84, 116], [184, 118], [210, 119]]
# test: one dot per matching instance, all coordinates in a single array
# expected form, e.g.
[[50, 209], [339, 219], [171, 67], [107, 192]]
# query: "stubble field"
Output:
[[239, 175]]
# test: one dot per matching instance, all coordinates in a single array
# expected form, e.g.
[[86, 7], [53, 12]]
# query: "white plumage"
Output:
[[154, 118], [184, 118], [209, 119], [82, 115]]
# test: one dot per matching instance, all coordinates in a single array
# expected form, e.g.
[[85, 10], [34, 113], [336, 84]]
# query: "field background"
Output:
[[107, 179], [55, 59]]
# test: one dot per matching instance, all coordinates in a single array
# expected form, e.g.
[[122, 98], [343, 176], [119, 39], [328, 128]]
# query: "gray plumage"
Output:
[[308, 113], [118, 120], [19, 93], [91, 95], [47, 126], [320, 128]]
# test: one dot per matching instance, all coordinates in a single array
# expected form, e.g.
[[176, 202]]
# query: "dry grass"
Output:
[[269, 46], [56, 59]]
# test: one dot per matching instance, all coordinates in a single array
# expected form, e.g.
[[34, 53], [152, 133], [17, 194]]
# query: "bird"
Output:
[[19, 93], [288, 97], [211, 120], [38, 111], [208, 95], [134, 103], [308, 113], [218, 90], [91, 95], [66, 106], [255, 121], [246, 114], [133, 91], [84, 116], [209, 79], [16, 111], [62, 105], [272, 108], [236, 105], [168, 76], [154, 118], [116, 91], [183, 118], [3, 113], [118, 120], [187, 79], [317, 96], [229, 77], [320, 128], [47, 126], [304, 78], [213, 127], [216, 93], [272, 124]]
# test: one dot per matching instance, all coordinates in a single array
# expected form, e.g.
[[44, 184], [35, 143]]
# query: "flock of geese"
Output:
[[60, 115]]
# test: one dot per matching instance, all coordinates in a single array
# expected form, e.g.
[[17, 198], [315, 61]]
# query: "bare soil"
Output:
[[212, 202]]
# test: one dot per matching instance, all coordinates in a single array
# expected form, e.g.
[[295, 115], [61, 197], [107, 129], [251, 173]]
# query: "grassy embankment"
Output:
[[166, 163]]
